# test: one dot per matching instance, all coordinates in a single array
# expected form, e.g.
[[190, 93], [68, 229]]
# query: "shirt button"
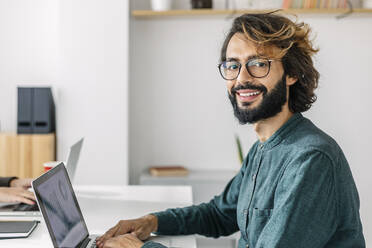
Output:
[[254, 177], [246, 246]]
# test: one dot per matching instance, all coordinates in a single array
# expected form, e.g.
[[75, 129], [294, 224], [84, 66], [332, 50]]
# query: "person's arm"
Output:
[[8, 194], [214, 219], [23, 183], [12, 189], [305, 206], [5, 181]]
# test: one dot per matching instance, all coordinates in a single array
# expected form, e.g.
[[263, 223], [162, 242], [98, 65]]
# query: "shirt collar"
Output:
[[282, 132]]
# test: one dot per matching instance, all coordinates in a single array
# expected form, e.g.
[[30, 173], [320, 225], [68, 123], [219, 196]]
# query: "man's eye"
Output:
[[258, 64], [232, 67]]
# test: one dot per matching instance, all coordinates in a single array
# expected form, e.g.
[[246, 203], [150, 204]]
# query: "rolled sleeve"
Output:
[[151, 244]]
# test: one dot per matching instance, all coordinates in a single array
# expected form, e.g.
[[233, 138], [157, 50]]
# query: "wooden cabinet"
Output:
[[23, 155]]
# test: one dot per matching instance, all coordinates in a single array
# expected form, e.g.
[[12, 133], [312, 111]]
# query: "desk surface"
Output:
[[104, 206]]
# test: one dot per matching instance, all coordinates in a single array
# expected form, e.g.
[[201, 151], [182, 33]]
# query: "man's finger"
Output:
[[109, 234]]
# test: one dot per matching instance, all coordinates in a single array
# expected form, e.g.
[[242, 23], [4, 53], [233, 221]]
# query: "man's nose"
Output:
[[244, 75]]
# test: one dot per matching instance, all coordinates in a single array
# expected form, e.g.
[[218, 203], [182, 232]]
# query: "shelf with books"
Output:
[[205, 12]]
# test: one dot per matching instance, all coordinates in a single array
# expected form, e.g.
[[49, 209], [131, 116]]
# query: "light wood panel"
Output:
[[23, 155]]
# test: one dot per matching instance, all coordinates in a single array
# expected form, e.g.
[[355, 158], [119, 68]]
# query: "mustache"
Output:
[[248, 86]]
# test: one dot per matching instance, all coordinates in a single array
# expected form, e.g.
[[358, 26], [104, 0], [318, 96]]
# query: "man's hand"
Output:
[[123, 241], [21, 183], [16, 195], [140, 228]]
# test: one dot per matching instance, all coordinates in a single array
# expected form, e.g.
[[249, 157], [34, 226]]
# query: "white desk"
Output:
[[104, 206]]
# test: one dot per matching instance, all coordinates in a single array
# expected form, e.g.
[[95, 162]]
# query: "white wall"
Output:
[[28, 51], [93, 99], [80, 48], [180, 113]]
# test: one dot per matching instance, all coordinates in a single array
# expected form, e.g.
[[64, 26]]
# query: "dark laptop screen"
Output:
[[60, 209]]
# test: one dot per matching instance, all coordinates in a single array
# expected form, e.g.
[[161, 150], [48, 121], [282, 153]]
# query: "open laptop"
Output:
[[73, 158], [22, 209], [62, 214], [60, 209]]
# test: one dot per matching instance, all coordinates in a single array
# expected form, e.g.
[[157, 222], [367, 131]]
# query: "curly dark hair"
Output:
[[295, 51]]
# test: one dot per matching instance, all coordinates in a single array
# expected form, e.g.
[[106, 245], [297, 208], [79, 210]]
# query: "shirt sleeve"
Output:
[[213, 219], [305, 205], [5, 181], [151, 244]]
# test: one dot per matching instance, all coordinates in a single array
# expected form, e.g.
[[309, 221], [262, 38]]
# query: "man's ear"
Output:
[[290, 80]]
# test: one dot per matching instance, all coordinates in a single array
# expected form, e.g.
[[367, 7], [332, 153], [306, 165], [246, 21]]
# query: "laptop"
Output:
[[62, 214], [60, 209], [73, 158], [22, 209]]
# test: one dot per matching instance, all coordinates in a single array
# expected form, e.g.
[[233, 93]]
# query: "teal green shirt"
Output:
[[294, 190]]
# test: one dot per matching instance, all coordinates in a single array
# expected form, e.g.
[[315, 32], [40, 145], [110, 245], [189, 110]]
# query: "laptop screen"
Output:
[[60, 209], [73, 158]]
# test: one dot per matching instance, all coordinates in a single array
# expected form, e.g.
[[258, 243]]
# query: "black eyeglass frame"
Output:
[[246, 66]]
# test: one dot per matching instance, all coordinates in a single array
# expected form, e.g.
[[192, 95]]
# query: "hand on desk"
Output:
[[129, 233], [21, 183], [123, 241], [16, 195]]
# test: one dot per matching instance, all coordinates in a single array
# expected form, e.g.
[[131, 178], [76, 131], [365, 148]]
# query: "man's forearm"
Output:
[[203, 219]]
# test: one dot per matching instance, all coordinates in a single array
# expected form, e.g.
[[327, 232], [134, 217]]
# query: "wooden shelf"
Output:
[[198, 12]]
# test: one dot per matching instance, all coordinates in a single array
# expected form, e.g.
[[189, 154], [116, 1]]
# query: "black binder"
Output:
[[36, 110], [43, 111], [25, 110]]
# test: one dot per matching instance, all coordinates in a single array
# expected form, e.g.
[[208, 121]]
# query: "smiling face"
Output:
[[254, 99]]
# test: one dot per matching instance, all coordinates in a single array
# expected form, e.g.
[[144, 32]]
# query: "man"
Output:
[[13, 189], [295, 187]]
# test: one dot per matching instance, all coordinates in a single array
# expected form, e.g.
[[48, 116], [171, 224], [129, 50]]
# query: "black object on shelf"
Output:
[[25, 96], [36, 110], [201, 4]]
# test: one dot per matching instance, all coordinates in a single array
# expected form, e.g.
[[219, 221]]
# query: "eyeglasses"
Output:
[[257, 67]]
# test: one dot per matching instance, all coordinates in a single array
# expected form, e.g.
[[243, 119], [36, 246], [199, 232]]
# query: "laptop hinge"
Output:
[[84, 242]]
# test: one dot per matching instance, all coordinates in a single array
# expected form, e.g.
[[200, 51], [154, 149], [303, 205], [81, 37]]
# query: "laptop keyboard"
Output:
[[26, 207], [93, 244], [86, 242]]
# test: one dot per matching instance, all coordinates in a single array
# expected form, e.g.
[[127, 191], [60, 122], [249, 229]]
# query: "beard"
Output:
[[271, 105]]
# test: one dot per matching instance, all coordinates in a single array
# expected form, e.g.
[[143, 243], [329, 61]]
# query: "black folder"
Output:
[[25, 110], [43, 111], [16, 229], [36, 110]]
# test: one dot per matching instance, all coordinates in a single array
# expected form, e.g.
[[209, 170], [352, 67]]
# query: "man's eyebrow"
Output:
[[255, 56]]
